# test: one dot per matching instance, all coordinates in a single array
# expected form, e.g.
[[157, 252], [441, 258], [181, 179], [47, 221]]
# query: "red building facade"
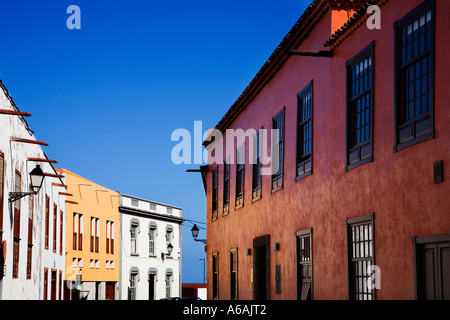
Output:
[[359, 208]]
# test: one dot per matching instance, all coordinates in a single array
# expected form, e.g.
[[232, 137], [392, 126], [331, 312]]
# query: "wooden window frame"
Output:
[[304, 162], [47, 221], [55, 221], [303, 262], [354, 222], [226, 186], [61, 230], [215, 276], [45, 291], [398, 103], [234, 294], [278, 177], [257, 166], [30, 235], [16, 226], [240, 171], [366, 145], [215, 194]]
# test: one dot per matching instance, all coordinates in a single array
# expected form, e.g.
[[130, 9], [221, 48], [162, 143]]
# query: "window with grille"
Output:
[[304, 132], [361, 257], [215, 193], [304, 267], [240, 173], [215, 284], [47, 220], [257, 165], [233, 274], [226, 186], [278, 126], [360, 77], [414, 45]]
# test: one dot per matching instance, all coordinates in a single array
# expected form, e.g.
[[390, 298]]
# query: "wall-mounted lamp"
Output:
[[169, 251], [195, 231], [37, 178]]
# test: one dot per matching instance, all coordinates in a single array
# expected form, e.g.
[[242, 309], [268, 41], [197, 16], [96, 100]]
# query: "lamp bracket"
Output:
[[14, 196], [201, 240]]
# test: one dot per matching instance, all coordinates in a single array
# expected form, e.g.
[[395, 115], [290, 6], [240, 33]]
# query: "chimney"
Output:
[[342, 11]]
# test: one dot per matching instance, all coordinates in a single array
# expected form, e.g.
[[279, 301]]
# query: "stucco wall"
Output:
[[397, 187]]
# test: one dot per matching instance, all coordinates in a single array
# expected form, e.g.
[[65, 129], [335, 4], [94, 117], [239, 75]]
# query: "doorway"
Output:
[[432, 267], [151, 286], [110, 291], [261, 268]]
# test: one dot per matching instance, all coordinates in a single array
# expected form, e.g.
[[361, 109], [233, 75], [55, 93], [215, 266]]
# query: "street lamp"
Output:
[[195, 231], [37, 178], [169, 251]]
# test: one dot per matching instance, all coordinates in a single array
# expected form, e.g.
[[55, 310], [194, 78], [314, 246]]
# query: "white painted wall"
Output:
[[15, 158], [143, 261]]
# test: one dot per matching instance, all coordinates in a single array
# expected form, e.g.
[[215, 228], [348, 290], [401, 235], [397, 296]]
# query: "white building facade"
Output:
[[32, 229], [148, 231]]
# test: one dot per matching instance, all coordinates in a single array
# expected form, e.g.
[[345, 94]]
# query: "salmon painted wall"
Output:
[[397, 187], [96, 201]]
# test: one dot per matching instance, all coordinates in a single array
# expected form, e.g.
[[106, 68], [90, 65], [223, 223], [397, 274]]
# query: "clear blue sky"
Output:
[[108, 97]]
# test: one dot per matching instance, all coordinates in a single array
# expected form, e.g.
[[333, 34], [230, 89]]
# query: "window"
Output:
[[55, 221], [61, 224], [30, 234], [133, 284], [168, 235], [95, 234], [151, 238], [304, 265], [47, 220], [215, 267], [360, 108], [257, 165], [226, 186], [77, 231], [133, 234], [151, 241], [414, 71], [304, 132], [16, 232], [240, 167], [109, 237], [215, 192], [233, 275], [168, 282], [360, 257], [278, 125], [45, 283]]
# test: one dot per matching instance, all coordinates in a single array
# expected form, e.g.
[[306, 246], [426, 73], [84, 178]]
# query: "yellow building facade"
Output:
[[93, 234]]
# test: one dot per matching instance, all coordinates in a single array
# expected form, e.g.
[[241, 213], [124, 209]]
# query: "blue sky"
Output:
[[108, 97]]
